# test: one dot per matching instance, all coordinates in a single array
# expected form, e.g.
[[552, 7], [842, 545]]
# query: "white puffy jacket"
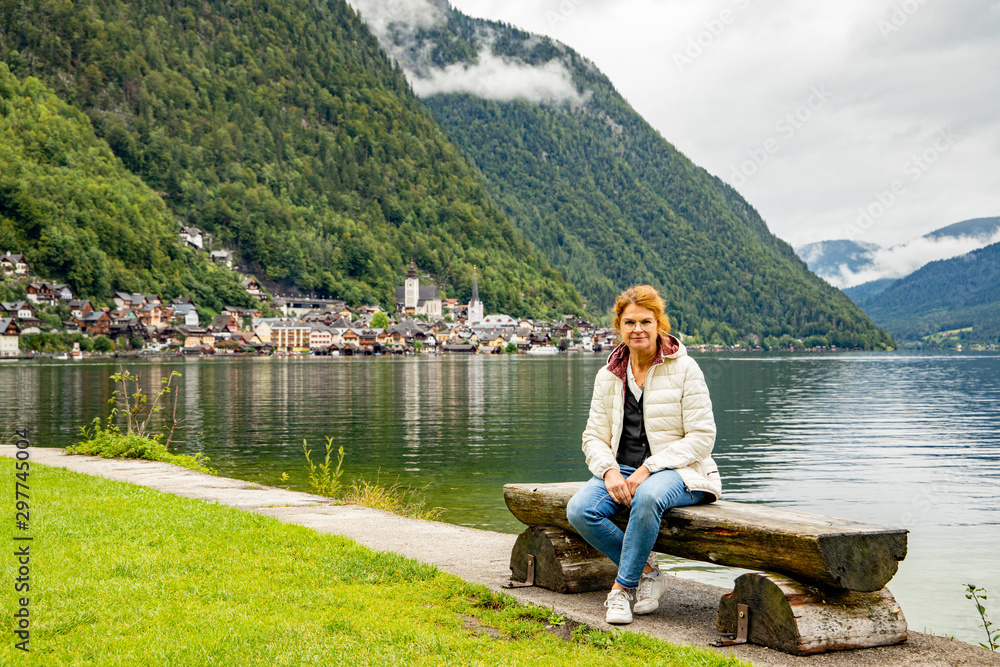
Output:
[[677, 412]]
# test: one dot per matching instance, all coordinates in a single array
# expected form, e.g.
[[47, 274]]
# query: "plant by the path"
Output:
[[138, 441], [978, 595], [324, 479]]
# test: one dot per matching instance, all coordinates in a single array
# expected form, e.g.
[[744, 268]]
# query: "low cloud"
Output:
[[381, 15], [905, 258], [394, 23], [500, 79]]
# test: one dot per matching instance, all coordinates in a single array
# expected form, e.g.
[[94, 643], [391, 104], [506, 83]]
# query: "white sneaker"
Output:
[[651, 587], [619, 612]]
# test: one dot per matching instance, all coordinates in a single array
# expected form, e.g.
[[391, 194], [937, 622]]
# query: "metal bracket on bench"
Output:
[[529, 579], [742, 624]]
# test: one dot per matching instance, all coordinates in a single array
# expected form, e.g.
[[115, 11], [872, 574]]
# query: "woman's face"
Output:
[[639, 330]]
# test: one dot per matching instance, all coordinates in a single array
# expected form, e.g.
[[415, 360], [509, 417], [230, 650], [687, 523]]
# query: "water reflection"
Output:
[[901, 439]]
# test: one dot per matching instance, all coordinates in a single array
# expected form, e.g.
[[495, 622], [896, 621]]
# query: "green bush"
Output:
[[109, 442]]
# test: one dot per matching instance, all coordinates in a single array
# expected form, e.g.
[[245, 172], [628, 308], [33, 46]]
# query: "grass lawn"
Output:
[[124, 575]]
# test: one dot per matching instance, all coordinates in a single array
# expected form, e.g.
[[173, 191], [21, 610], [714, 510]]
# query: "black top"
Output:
[[633, 447]]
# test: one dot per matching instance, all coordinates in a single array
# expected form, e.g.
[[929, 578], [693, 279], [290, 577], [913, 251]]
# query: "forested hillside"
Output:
[[947, 295], [82, 216], [609, 201], [284, 130]]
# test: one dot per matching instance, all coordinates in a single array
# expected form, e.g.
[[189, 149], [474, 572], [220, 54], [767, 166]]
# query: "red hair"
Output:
[[647, 297]]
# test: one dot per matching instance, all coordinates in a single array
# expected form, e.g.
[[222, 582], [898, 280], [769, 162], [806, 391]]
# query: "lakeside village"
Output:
[[146, 324], [49, 322]]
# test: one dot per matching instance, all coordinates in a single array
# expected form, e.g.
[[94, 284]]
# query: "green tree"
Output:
[[103, 344], [380, 320]]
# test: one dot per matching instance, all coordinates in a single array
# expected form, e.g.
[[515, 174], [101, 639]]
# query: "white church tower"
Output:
[[475, 314], [412, 288]]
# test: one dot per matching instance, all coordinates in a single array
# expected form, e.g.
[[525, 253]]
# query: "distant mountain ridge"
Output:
[[867, 266], [962, 293], [609, 201]]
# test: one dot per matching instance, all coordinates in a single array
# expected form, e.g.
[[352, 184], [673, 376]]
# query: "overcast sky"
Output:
[[875, 120]]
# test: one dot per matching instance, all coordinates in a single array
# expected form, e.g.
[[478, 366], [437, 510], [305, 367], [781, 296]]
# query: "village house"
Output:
[[262, 327], [449, 305], [80, 307], [291, 336], [13, 264], [10, 336], [196, 340], [22, 310], [193, 236], [150, 315], [222, 257], [350, 337], [320, 338], [128, 329], [372, 339], [225, 323], [368, 310], [253, 288], [242, 313], [95, 323], [125, 300], [562, 330], [183, 313], [48, 293]]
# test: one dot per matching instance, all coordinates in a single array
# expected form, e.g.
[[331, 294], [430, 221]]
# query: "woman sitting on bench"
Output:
[[648, 441]]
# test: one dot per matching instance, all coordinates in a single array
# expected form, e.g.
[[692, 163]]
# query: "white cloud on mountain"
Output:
[[491, 77], [380, 15], [905, 258], [501, 79]]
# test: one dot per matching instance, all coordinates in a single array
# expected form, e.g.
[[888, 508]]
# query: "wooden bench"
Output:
[[822, 589]]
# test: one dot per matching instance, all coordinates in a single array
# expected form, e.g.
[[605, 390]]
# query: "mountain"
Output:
[[962, 293], [607, 199], [861, 293], [849, 264], [827, 259], [285, 131], [983, 229], [81, 217]]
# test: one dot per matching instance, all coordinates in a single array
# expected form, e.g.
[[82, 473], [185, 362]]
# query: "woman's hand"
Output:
[[640, 475], [617, 488]]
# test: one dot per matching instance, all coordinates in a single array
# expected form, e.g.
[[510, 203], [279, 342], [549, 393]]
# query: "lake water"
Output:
[[909, 440]]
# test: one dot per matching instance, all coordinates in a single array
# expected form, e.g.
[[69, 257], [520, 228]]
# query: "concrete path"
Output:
[[686, 614]]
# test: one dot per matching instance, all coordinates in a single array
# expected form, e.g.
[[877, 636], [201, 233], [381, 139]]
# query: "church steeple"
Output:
[[475, 312], [411, 294]]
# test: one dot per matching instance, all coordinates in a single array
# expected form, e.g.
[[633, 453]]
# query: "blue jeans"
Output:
[[590, 510]]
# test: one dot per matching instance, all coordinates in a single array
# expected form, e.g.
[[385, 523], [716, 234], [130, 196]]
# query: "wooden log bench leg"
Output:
[[797, 619], [563, 561]]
